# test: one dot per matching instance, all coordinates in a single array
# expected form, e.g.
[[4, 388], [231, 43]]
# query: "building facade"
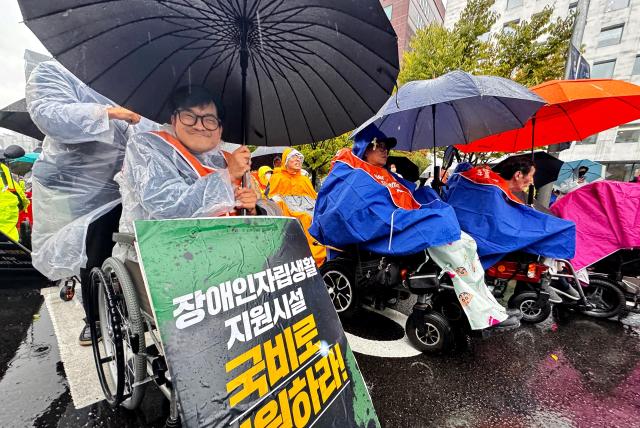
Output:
[[407, 16], [611, 45]]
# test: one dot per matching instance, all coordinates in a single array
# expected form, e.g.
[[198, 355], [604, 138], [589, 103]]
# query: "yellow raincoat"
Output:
[[296, 197], [12, 201]]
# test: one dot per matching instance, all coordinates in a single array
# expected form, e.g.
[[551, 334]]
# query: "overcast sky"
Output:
[[15, 37]]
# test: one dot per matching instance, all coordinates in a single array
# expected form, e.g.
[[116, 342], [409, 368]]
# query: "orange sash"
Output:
[[201, 170], [485, 176], [400, 195]]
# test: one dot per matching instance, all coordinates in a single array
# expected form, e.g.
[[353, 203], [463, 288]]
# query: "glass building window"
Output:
[[615, 5], [589, 140], [636, 66], [629, 133], [610, 36], [512, 4], [389, 11], [603, 69]]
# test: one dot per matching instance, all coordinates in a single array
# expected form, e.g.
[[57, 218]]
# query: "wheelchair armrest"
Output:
[[124, 238]]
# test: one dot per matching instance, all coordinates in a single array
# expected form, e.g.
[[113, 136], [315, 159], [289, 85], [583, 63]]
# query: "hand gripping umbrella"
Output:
[[288, 72]]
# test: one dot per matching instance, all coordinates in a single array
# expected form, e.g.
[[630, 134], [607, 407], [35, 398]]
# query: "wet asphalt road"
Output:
[[582, 374]]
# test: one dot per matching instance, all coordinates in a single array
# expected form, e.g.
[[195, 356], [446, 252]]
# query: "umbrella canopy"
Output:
[[405, 167], [547, 168], [264, 156], [456, 108], [288, 72], [575, 110], [16, 118], [24, 164], [570, 170]]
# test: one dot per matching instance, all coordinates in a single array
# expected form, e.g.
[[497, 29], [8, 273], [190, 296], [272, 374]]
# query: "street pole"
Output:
[[544, 193]]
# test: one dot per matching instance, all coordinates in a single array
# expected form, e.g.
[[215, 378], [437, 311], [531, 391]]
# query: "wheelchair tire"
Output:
[[429, 332], [606, 296], [339, 278], [108, 352], [527, 302], [135, 364]]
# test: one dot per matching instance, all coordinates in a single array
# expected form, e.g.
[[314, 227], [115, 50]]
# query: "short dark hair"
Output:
[[189, 96], [522, 163]]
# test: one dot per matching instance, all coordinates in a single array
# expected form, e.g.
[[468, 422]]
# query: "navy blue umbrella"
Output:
[[454, 109]]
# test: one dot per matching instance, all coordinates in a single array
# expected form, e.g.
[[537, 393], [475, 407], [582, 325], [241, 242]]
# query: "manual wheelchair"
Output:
[[130, 354]]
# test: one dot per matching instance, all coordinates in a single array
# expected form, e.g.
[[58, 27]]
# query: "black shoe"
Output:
[[511, 323], [85, 334]]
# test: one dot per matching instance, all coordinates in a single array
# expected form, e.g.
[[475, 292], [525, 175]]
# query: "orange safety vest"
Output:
[[188, 157]]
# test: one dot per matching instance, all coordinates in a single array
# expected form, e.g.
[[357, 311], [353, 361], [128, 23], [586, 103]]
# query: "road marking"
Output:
[[399, 348]]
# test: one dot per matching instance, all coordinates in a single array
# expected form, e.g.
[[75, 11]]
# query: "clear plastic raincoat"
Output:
[[158, 182], [73, 179]]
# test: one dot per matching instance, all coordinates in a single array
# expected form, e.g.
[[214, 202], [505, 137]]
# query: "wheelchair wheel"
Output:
[[135, 363], [528, 304], [607, 298], [121, 368], [429, 332], [339, 279], [108, 353]]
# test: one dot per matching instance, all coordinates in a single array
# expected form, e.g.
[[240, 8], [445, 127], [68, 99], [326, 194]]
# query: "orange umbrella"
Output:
[[575, 109]]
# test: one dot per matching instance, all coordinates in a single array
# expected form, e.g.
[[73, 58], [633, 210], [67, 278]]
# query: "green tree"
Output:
[[317, 156], [534, 51]]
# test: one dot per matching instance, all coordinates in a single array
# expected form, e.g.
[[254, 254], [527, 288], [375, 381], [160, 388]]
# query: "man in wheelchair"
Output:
[[180, 171], [364, 204]]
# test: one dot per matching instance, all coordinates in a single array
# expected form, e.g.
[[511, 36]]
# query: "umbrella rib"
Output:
[[313, 70], [573, 125], [224, 86], [298, 102], [509, 110], [346, 57], [455, 110], [153, 70], [320, 106]]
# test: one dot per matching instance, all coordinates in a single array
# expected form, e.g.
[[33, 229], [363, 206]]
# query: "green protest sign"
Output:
[[249, 332]]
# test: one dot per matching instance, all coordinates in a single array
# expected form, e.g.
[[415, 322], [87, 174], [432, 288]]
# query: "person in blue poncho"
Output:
[[488, 209], [362, 203]]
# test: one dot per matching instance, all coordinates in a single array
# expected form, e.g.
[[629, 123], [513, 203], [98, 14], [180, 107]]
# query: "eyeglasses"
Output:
[[188, 118], [381, 147]]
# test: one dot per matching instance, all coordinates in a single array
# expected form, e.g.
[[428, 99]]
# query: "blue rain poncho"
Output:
[[73, 179], [353, 207], [500, 224]]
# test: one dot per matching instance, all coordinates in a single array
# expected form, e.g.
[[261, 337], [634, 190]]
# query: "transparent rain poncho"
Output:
[[73, 179], [157, 183]]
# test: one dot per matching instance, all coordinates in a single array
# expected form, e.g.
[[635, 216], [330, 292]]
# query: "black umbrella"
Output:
[[264, 156], [288, 72], [547, 168], [16, 118], [405, 167]]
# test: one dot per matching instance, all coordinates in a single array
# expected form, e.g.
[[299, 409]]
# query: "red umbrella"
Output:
[[575, 109]]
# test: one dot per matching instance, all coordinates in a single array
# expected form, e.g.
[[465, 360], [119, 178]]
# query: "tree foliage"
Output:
[[530, 52], [317, 156]]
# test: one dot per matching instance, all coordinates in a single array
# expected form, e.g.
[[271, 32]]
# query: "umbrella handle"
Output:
[[246, 182]]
